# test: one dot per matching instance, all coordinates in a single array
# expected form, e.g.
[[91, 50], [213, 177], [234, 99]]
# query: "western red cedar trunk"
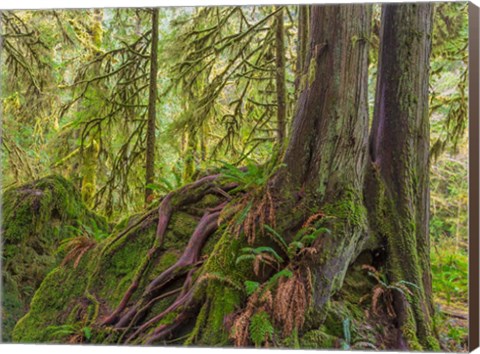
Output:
[[152, 98], [280, 79], [325, 159], [398, 183]]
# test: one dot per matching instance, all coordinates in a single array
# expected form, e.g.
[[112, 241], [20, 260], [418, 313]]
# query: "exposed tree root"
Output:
[[185, 266], [164, 214]]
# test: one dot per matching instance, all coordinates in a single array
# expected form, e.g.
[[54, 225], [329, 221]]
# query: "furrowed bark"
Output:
[[327, 152], [399, 147]]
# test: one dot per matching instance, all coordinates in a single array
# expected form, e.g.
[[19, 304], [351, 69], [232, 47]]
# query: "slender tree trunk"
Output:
[[190, 153], [89, 172], [152, 98], [303, 23], [280, 79], [398, 183], [92, 149]]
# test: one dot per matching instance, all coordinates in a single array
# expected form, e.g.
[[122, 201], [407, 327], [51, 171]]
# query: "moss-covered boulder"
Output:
[[72, 301], [36, 218]]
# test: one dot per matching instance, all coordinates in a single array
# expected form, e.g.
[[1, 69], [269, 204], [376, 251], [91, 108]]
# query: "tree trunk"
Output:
[[280, 79], [89, 172], [191, 154], [327, 152], [91, 149], [152, 99], [399, 149], [303, 15]]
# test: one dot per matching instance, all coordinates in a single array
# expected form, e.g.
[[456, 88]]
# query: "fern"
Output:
[[276, 237], [261, 329], [243, 215], [220, 278], [294, 247], [245, 257], [87, 332], [287, 273], [260, 250], [249, 178], [310, 238], [57, 332]]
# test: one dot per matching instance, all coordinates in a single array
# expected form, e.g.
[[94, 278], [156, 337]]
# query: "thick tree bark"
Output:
[[280, 79], [399, 146], [152, 99], [327, 152]]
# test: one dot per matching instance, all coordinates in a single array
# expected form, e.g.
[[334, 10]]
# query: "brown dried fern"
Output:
[[291, 303], [76, 249]]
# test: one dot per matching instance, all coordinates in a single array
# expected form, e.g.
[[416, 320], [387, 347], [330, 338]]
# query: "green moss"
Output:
[[312, 68], [223, 291], [199, 324], [409, 330], [318, 339], [395, 222], [36, 217], [223, 301], [348, 207], [169, 318], [55, 302]]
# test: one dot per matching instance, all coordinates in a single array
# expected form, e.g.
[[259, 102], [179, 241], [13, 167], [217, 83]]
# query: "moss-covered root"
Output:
[[36, 217]]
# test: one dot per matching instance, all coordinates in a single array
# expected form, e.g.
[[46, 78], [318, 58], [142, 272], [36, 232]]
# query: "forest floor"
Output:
[[450, 289]]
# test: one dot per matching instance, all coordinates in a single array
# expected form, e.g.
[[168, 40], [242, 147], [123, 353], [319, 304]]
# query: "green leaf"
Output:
[[153, 186], [266, 249], [167, 183], [245, 257], [277, 236], [251, 286], [87, 333], [274, 278], [261, 329]]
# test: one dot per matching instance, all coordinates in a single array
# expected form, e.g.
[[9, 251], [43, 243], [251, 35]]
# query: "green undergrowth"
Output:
[[450, 289], [450, 275], [36, 218]]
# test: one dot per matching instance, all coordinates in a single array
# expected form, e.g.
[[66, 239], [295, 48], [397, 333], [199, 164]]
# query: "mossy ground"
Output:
[[76, 297], [36, 218]]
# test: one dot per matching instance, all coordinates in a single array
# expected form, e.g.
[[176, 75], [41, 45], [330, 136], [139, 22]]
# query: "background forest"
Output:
[[130, 104]]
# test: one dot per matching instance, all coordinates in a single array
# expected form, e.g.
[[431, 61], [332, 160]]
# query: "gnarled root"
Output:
[[185, 266]]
